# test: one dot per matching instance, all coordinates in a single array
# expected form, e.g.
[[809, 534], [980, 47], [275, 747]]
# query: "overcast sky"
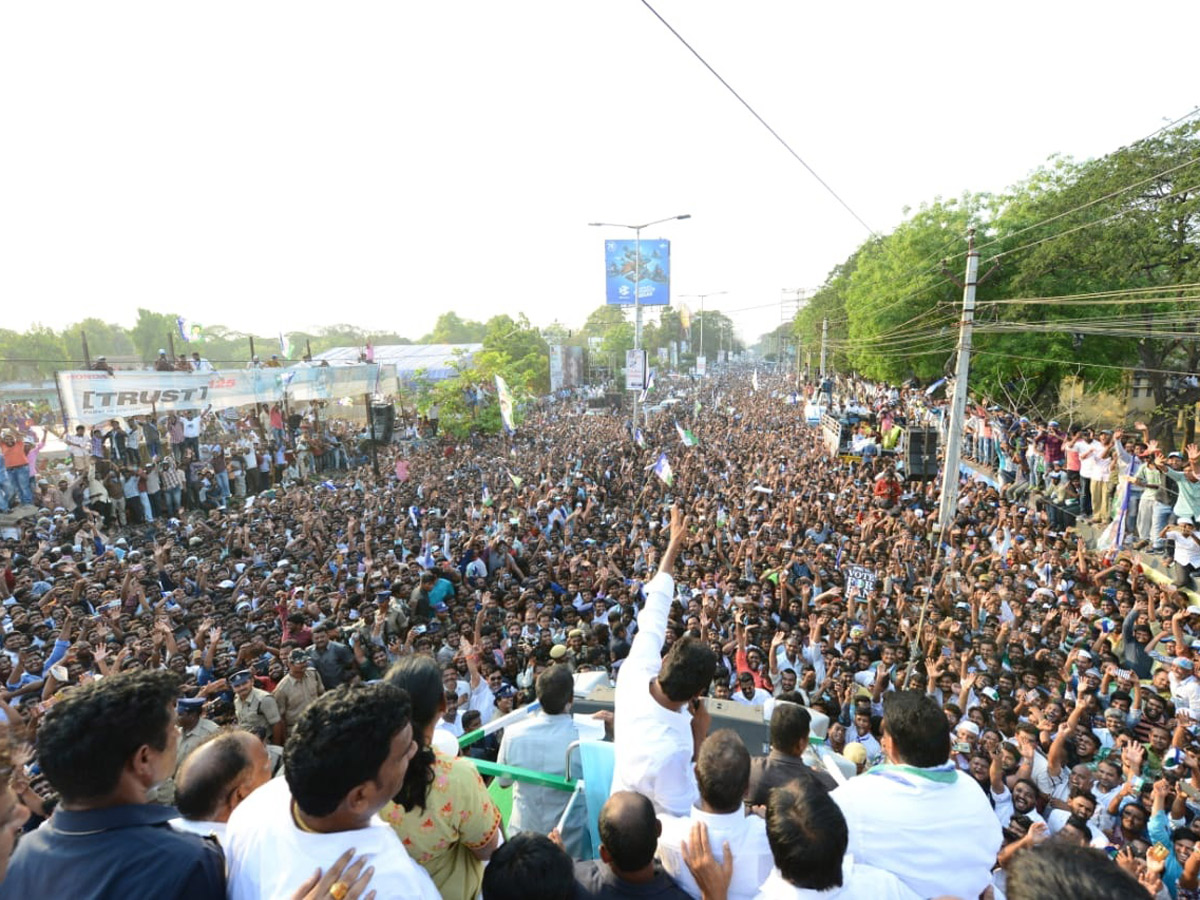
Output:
[[268, 165]]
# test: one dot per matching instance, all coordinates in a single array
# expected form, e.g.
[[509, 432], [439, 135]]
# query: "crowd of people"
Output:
[[230, 694], [138, 469]]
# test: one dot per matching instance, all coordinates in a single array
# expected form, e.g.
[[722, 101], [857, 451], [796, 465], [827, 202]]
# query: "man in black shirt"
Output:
[[790, 723], [629, 834], [333, 660]]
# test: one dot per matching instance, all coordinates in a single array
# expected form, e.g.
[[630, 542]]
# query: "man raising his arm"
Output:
[[659, 719]]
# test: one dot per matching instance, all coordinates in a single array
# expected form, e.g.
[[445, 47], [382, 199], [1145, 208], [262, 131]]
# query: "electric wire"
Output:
[[775, 134]]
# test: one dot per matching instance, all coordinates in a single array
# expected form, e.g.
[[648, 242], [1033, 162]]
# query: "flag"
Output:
[[487, 496], [649, 387], [285, 346], [517, 481], [1114, 535], [506, 405], [662, 469], [685, 435], [189, 330], [754, 380], [414, 516], [402, 469], [639, 438]]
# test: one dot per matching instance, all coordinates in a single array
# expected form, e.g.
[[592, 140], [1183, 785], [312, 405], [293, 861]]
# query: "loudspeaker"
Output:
[[384, 418], [921, 453]]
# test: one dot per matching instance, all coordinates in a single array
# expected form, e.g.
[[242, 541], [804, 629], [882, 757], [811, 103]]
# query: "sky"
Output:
[[271, 165]]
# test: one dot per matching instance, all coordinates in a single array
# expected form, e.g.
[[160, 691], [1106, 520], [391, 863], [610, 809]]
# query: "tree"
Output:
[[897, 299], [522, 355], [150, 333], [1124, 223], [450, 328]]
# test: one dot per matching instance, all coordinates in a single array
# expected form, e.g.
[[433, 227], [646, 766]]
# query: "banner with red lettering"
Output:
[[93, 397]]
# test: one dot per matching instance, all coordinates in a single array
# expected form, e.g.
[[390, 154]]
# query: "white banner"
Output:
[[556, 368], [635, 370], [93, 397]]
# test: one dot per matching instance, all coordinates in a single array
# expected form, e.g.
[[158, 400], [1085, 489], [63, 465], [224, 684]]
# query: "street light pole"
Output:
[[703, 297], [637, 284]]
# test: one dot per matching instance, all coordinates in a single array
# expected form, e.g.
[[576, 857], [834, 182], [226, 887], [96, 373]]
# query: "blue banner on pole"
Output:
[[621, 260]]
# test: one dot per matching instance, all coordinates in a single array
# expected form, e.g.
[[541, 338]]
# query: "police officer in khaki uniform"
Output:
[[255, 707], [298, 688]]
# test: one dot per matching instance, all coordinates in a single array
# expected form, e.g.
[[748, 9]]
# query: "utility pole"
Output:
[[703, 297], [799, 296], [958, 405], [824, 341], [637, 286]]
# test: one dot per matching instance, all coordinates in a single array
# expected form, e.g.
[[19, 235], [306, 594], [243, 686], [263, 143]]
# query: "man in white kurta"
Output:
[[654, 744], [723, 776], [264, 850], [930, 826], [859, 882]]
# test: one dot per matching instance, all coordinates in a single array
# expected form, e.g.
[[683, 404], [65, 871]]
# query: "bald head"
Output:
[[219, 774], [629, 832]]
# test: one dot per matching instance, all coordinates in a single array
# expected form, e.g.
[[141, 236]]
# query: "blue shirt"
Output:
[[442, 588], [121, 851]]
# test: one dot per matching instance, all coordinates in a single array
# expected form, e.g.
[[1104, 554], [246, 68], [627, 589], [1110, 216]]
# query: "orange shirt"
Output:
[[14, 456]]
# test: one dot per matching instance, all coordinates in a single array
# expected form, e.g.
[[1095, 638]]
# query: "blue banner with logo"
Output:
[[622, 272]]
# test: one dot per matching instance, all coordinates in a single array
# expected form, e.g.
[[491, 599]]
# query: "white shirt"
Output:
[[1058, 818], [1183, 690], [760, 697], [79, 445], [747, 837], [1187, 550], [859, 882], [1004, 809], [939, 837], [268, 857], [191, 426], [1040, 773], [653, 746], [204, 829], [483, 699], [1087, 464]]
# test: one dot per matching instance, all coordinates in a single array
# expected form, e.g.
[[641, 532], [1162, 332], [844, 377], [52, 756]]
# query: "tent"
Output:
[[431, 360]]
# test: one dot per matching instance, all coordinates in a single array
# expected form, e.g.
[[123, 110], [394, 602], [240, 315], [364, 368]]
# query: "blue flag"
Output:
[[662, 469]]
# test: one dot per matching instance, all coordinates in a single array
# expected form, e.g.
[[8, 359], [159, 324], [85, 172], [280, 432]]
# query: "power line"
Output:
[[775, 134], [1099, 221], [1090, 203], [1102, 298]]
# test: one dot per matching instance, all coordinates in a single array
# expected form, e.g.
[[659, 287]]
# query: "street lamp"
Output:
[[702, 299], [637, 277]]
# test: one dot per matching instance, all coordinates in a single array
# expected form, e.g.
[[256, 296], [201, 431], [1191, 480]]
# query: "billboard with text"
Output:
[[649, 270]]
